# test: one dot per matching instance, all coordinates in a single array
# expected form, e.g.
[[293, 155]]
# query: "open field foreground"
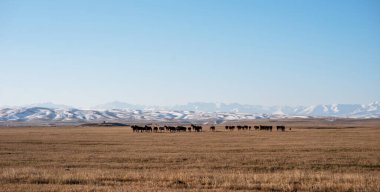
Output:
[[116, 159]]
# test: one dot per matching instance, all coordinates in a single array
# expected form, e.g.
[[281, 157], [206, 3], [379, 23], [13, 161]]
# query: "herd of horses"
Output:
[[198, 128], [165, 128], [261, 127]]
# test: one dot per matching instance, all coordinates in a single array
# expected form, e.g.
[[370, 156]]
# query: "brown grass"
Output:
[[115, 159]]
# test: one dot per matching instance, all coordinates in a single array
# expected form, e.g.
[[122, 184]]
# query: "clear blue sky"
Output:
[[165, 52]]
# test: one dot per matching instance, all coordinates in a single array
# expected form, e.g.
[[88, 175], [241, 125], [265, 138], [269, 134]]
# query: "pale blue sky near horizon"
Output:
[[167, 52]]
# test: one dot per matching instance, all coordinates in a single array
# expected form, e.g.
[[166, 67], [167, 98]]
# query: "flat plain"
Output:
[[315, 155]]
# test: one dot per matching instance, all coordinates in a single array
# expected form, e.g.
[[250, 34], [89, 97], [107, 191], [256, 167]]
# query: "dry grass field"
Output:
[[314, 156]]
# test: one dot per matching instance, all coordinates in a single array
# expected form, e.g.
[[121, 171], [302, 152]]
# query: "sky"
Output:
[[167, 52]]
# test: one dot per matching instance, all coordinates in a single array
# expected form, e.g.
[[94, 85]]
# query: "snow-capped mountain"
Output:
[[75, 115], [336, 110], [213, 112]]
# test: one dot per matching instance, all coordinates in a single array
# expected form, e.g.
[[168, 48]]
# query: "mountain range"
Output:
[[198, 111], [371, 110], [339, 110]]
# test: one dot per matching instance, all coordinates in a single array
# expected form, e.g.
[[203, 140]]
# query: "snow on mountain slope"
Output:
[[215, 112], [337, 110], [76, 115]]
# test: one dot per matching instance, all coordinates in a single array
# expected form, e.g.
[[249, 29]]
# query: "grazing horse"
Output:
[[231, 128], [281, 128], [212, 128], [196, 128], [180, 128], [148, 128], [134, 128], [137, 128], [169, 128], [172, 129], [266, 128]]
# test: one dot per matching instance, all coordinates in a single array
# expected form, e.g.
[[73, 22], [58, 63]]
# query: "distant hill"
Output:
[[50, 105], [118, 105]]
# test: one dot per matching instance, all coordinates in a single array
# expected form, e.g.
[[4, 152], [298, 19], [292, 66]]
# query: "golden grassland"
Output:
[[311, 157]]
